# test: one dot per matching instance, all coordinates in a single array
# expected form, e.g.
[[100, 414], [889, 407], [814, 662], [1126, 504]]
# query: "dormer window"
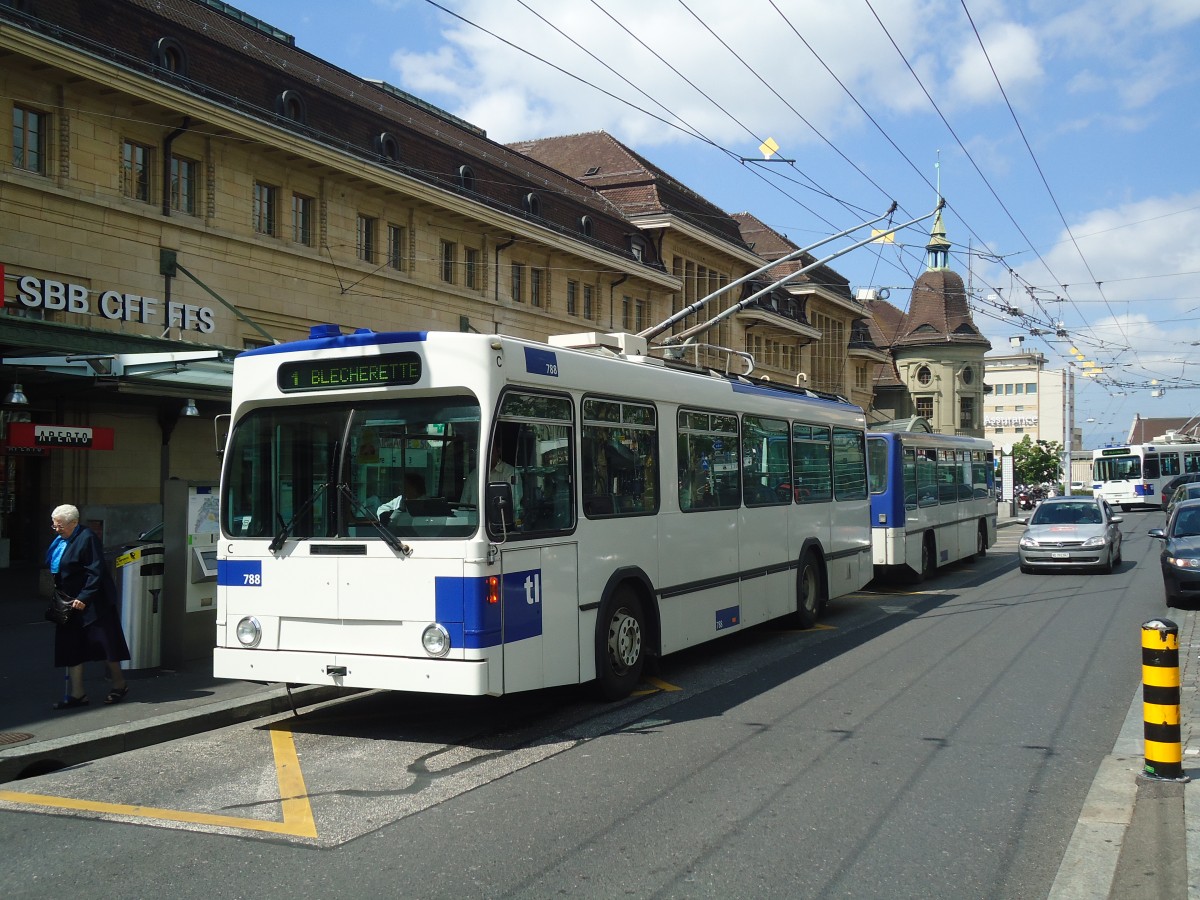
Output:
[[387, 147], [637, 247], [466, 178], [587, 226], [533, 204], [169, 54], [290, 105]]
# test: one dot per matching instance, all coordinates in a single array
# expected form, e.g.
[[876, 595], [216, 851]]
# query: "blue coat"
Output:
[[83, 573]]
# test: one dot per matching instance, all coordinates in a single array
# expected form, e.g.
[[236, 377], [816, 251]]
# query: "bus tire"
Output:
[[620, 644], [981, 540], [809, 592], [928, 559]]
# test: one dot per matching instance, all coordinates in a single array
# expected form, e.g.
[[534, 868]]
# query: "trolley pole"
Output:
[[1160, 701]]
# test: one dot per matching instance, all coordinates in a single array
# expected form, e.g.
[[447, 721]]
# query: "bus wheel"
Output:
[[808, 592], [620, 644], [927, 559], [981, 540]]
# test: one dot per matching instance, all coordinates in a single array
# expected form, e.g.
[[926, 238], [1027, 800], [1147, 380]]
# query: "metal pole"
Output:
[[1160, 701], [742, 304], [655, 330]]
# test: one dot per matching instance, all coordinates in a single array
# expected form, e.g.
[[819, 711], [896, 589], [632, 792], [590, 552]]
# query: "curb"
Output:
[[59, 753]]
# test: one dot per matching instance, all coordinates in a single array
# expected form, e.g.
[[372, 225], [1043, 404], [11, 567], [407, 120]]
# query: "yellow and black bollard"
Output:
[[1160, 700]]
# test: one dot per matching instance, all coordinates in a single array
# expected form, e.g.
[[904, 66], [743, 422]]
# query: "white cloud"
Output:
[[786, 72], [1014, 53]]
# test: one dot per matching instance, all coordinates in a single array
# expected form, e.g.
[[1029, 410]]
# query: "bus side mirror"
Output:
[[499, 506]]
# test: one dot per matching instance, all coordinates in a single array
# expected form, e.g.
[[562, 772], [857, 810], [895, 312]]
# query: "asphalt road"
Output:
[[931, 741]]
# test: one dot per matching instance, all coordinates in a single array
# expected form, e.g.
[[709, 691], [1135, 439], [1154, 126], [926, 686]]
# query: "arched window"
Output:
[[587, 226], [290, 105], [169, 54], [466, 178], [387, 146], [533, 204]]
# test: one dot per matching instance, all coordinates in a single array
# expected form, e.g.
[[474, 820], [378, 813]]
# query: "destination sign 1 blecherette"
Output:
[[385, 370]]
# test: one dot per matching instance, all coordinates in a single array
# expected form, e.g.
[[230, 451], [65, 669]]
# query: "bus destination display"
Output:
[[353, 372]]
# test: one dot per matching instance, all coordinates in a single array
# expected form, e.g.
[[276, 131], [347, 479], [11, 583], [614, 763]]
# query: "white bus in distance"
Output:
[[630, 509], [1132, 476]]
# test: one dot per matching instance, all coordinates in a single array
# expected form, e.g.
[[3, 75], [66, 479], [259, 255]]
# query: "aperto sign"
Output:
[[30, 436], [386, 370]]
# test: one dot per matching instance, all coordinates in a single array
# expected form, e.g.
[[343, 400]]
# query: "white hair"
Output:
[[65, 513]]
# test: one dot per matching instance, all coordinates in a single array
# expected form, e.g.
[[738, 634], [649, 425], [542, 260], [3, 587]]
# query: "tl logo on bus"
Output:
[[533, 588]]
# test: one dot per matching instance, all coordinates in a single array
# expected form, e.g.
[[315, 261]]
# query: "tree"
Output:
[[1037, 463]]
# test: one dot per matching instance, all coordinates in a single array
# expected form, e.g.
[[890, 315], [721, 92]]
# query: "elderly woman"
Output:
[[76, 559]]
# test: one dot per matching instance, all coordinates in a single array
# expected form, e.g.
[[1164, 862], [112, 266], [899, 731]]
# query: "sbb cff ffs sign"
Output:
[[30, 436]]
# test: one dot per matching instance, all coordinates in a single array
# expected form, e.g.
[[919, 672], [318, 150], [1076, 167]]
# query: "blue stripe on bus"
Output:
[[363, 337], [239, 572], [522, 597], [460, 605], [795, 396]]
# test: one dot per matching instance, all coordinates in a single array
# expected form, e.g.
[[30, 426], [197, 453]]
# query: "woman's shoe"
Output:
[[116, 695], [72, 702]]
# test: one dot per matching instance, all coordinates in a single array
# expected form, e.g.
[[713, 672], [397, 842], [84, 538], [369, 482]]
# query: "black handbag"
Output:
[[61, 612]]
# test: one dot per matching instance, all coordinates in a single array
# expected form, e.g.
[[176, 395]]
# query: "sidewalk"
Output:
[[161, 704]]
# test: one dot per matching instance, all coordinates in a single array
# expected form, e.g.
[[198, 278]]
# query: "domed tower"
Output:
[[937, 349]]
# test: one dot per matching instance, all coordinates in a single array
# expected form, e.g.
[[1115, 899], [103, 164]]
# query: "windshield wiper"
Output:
[[392, 541], [287, 526]]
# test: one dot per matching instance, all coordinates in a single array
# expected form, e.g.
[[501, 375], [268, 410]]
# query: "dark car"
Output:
[[1169, 488], [1180, 557], [1188, 491]]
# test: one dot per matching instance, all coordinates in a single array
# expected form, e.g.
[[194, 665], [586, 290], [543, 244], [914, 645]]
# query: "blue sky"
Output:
[[1064, 137]]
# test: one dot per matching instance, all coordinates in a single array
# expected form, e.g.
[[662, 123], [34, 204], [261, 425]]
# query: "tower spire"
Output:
[[937, 251]]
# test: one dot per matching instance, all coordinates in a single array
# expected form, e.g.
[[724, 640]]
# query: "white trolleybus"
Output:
[[1132, 476], [476, 514], [933, 500]]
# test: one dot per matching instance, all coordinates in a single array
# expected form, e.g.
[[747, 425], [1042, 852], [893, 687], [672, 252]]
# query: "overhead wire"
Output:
[[1037, 165]]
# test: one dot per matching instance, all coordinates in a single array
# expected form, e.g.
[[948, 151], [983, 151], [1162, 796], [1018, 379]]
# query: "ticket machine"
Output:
[[191, 525]]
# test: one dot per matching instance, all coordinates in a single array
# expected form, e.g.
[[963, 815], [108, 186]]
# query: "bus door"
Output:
[[540, 616]]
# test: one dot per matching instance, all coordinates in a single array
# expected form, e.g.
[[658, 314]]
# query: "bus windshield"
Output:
[[324, 471], [1118, 468]]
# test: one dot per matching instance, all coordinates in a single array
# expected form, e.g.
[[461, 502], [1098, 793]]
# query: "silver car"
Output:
[[1070, 532]]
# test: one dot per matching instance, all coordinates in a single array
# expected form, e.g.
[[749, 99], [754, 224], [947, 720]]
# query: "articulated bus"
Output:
[[480, 515], [933, 500], [1132, 476]]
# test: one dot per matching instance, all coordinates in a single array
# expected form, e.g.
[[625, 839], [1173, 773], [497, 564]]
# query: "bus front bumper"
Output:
[[392, 673]]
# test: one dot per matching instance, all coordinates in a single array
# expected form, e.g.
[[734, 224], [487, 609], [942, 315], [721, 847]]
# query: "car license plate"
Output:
[[1060, 555]]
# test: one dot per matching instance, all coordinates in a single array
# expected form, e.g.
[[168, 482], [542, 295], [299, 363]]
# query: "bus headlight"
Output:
[[249, 632], [436, 640]]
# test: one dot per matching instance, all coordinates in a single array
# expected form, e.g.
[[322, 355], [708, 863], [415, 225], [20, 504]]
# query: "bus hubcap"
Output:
[[624, 640]]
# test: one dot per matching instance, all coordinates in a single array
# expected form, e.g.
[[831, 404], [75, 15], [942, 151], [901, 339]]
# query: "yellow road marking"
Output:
[[662, 685], [297, 812]]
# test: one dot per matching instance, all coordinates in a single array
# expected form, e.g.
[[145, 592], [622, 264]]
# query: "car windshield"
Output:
[[1187, 523], [1067, 514]]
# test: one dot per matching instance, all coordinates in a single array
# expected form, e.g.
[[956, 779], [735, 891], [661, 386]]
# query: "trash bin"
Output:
[[141, 570]]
